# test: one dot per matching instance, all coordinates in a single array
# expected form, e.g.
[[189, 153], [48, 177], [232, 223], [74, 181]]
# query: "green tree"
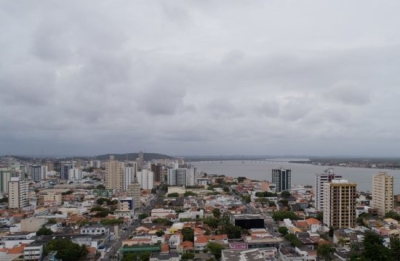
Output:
[[51, 221], [226, 189], [100, 187], [66, 249], [188, 234], [281, 215], [283, 230], [211, 222], [44, 231], [326, 251], [241, 179], [143, 216], [129, 257], [286, 194], [374, 249], [215, 249], [216, 212], [233, 232], [173, 195], [187, 256], [341, 241], [395, 248], [392, 214], [160, 233], [293, 240], [189, 193], [145, 256], [246, 198]]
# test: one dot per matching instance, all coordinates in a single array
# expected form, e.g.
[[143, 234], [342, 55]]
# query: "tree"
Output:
[[100, 187], [281, 215], [233, 232], [216, 212], [187, 256], [145, 256], [293, 240], [395, 248], [286, 194], [188, 234], [51, 221], [226, 189], [173, 195], [160, 233], [44, 231], [331, 231], [241, 179], [130, 257], [374, 249], [215, 249], [211, 222], [189, 193], [341, 241], [66, 249], [246, 198], [283, 230], [143, 216], [392, 214], [326, 251]]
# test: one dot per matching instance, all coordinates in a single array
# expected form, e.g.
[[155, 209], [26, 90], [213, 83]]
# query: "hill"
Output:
[[134, 156]]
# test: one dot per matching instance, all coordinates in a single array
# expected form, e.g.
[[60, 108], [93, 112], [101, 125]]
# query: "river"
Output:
[[302, 174]]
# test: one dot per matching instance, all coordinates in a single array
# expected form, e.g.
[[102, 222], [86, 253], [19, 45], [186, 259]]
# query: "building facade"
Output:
[[339, 203], [282, 179], [145, 178], [134, 192], [114, 177], [17, 193], [382, 193], [320, 180], [181, 177]]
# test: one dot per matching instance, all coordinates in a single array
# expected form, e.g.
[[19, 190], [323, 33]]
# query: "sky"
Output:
[[200, 77]]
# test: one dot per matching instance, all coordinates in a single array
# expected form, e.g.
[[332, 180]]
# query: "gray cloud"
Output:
[[199, 78]]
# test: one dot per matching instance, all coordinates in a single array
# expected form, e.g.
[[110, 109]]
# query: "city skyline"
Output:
[[198, 78]]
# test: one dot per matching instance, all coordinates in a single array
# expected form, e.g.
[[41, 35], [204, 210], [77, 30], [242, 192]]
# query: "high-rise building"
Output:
[[114, 177], [17, 193], [382, 193], [35, 172], [157, 170], [140, 159], [129, 174], [75, 174], [5, 177], [320, 180], [145, 178], [134, 192], [181, 177], [282, 179], [43, 171], [64, 170], [340, 203]]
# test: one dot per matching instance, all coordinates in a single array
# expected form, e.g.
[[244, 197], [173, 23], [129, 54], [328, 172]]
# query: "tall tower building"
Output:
[[36, 172], [5, 177], [145, 178], [320, 180], [340, 203], [382, 193], [282, 179], [134, 192], [157, 170], [65, 169], [129, 174], [17, 193], [140, 159], [181, 177], [114, 178]]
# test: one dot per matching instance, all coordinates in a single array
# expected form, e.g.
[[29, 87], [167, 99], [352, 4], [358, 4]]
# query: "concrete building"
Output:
[[114, 177], [181, 177], [5, 177], [75, 174], [129, 174], [382, 193], [340, 203], [43, 171], [157, 170], [17, 193], [145, 178], [320, 180], [282, 179], [36, 172], [134, 192], [64, 170]]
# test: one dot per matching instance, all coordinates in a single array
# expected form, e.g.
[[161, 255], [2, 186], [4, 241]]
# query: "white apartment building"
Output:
[[339, 203], [320, 180], [129, 176], [382, 193], [145, 178], [75, 174], [17, 193]]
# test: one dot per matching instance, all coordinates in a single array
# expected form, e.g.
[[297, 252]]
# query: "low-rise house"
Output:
[[94, 230]]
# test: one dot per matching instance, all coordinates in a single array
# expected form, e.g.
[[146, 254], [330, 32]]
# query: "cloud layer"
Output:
[[199, 77]]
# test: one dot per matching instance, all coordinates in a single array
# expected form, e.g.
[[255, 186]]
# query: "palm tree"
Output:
[[326, 251], [342, 241]]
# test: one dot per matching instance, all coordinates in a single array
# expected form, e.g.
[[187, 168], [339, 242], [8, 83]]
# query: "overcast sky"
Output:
[[200, 77]]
